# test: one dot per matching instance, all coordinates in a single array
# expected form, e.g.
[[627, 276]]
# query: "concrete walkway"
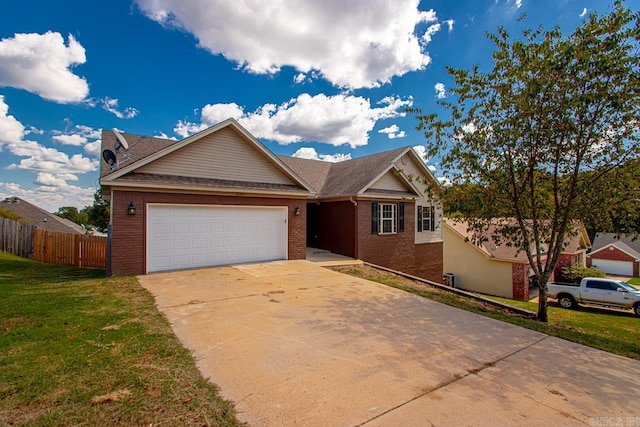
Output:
[[292, 343]]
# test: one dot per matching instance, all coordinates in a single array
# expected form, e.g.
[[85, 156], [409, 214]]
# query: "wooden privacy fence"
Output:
[[16, 238], [69, 249]]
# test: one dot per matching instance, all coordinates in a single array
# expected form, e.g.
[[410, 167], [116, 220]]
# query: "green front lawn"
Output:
[[635, 281], [613, 331], [80, 349]]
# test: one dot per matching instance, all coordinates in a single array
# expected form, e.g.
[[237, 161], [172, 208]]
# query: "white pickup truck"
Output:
[[596, 291]]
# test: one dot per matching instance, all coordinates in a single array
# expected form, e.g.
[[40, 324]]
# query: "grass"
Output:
[[635, 281], [613, 331], [80, 349]]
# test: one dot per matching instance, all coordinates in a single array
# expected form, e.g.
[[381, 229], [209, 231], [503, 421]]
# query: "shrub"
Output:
[[577, 272]]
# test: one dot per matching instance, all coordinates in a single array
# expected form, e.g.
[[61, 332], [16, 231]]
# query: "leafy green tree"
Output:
[[554, 117], [4, 213], [72, 214], [98, 213]]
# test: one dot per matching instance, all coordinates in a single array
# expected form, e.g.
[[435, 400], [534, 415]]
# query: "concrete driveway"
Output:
[[292, 343]]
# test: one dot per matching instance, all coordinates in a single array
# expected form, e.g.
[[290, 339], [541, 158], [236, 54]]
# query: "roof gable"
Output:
[[622, 247], [225, 155], [391, 180], [604, 239], [225, 152]]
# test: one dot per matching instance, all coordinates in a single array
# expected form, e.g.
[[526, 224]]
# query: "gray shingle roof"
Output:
[[629, 244], [139, 148], [205, 182], [34, 215], [345, 178], [340, 179]]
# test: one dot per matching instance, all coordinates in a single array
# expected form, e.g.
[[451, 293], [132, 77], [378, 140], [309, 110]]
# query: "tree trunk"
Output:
[[542, 303]]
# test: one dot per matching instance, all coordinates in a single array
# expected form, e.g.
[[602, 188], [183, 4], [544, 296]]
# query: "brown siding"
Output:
[[398, 251], [128, 233], [333, 227]]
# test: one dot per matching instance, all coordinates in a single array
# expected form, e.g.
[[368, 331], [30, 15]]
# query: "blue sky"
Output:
[[318, 79]]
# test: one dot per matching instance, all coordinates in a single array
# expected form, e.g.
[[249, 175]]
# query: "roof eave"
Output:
[[235, 191]]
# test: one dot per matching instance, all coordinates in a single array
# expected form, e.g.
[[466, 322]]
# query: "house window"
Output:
[[388, 218], [426, 218]]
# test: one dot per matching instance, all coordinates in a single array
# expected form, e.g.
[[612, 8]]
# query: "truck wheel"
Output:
[[566, 301], [636, 309]]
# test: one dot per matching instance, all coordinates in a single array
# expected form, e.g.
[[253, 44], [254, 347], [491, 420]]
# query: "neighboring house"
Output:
[[33, 215], [497, 269], [220, 197], [613, 254]]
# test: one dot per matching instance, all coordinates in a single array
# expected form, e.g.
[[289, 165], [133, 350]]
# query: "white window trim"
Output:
[[393, 219], [425, 217]]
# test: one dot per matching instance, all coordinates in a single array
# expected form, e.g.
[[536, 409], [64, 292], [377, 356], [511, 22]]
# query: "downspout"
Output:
[[355, 226]]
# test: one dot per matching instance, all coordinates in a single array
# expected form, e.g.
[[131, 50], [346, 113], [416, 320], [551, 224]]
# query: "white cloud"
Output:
[[469, 128], [584, 12], [53, 168], [49, 197], [431, 30], [74, 139], [80, 136], [299, 78], [449, 23], [312, 154], [111, 105], [351, 44], [421, 151], [393, 132], [165, 136], [11, 130], [336, 120], [40, 63], [93, 148], [441, 91], [444, 181]]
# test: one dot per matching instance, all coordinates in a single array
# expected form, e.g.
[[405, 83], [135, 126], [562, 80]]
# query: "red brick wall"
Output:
[[398, 251], [334, 227], [565, 260], [128, 232], [614, 254], [520, 281]]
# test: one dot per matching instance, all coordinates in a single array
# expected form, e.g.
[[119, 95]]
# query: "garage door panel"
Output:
[[623, 268], [198, 236]]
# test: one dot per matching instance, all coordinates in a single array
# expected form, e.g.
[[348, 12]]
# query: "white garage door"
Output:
[[201, 236], [622, 268]]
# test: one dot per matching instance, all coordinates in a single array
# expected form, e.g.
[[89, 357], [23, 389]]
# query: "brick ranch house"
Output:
[[495, 268], [616, 255], [220, 197]]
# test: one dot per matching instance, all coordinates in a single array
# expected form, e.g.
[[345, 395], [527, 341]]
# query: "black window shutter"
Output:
[[374, 218], [419, 218], [401, 216], [433, 218]]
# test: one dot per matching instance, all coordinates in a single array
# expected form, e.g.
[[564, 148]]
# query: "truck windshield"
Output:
[[627, 286]]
